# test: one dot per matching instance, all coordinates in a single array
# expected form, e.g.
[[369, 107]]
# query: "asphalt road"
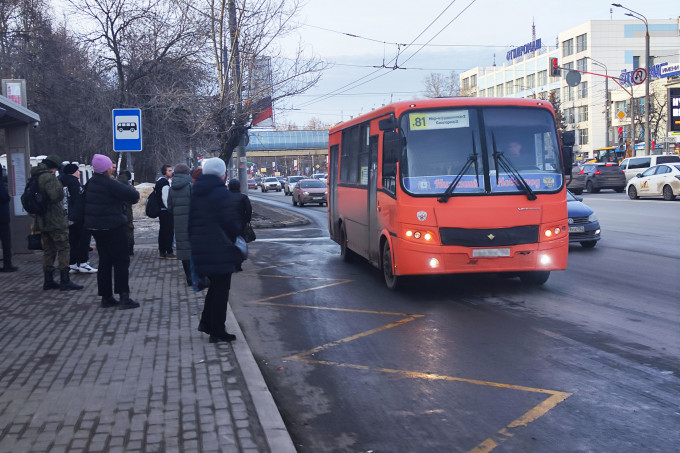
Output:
[[588, 362]]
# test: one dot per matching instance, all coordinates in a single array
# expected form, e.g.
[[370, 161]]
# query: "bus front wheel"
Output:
[[535, 277], [392, 281], [345, 252]]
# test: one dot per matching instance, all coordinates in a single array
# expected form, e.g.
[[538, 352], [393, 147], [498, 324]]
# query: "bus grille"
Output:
[[492, 237]]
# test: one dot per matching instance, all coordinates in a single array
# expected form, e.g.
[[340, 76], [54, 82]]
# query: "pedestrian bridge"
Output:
[[287, 143]]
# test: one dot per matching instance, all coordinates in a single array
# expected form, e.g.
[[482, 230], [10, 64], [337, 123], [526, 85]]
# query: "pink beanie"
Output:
[[101, 163]]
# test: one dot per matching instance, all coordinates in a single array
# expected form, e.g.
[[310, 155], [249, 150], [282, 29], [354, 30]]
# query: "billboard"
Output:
[[260, 93], [674, 110]]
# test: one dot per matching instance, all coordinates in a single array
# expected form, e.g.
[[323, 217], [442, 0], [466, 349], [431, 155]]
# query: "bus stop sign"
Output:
[[127, 129]]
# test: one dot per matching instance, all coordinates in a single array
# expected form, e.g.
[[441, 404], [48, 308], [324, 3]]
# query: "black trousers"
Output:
[[6, 240], [165, 232], [79, 239], [112, 246], [214, 314]]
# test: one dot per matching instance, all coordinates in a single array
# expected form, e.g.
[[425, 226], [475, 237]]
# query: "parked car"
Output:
[[252, 184], [632, 166], [578, 180], [602, 175], [310, 191], [271, 183], [292, 180], [660, 180], [583, 224]]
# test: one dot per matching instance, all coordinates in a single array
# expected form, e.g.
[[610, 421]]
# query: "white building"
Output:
[[597, 106]]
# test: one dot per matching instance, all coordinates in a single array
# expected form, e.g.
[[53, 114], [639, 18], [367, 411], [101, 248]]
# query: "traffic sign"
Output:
[[639, 76], [127, 129]]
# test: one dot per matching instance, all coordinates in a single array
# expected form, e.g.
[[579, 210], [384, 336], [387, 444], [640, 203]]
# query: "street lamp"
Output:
[[607, 103], [641, 17]]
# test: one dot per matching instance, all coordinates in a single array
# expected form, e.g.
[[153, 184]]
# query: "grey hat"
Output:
[[214, 166]]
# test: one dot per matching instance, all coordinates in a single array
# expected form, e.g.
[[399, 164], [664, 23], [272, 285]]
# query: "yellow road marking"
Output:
[[485, 446]]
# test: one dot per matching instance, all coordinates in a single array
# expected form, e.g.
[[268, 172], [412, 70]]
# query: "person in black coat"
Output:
[[5, 236], [78, 236], [105, 216], [214, 224]]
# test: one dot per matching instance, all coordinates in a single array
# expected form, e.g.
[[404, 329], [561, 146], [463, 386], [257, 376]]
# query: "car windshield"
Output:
[[570, 196], [677, 167], [295, 178], [488, 150], [312, 185], [271, 180]]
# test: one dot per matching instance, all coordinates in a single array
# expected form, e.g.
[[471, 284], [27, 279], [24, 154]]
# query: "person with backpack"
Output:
[[5, 236], [78, 236], [52, 225], [166, 231], [179, 198], [105, 216]]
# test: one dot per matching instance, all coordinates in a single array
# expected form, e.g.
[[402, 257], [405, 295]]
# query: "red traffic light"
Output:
[[620, 128], [554, 67]]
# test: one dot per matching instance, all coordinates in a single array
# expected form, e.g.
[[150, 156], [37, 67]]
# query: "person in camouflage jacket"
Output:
[[53, 225]]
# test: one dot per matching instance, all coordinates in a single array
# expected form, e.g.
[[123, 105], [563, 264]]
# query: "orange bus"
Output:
[[451, 185]]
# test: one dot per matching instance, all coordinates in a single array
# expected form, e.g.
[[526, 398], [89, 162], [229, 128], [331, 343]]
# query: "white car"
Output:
[[271, 183], [659, 180]]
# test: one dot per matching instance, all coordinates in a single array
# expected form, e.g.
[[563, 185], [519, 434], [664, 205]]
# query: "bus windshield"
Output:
[[493, 150]]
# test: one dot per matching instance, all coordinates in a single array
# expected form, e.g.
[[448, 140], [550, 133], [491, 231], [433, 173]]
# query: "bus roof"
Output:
[[398, 107]]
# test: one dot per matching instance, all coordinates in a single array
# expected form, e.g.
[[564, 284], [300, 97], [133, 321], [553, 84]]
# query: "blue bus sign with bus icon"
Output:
[[127, 129]]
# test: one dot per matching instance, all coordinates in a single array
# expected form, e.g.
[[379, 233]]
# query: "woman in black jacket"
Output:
[[105, 216], [214, 224]]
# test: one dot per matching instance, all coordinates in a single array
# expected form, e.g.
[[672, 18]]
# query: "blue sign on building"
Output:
[[127, 129]]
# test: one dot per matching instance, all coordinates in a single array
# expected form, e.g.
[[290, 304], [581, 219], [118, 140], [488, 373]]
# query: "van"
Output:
[[631, 166]]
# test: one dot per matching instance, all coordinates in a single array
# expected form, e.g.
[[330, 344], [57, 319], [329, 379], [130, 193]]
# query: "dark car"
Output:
[[578, 180], [603, 175], [310, 191], [583, 224]]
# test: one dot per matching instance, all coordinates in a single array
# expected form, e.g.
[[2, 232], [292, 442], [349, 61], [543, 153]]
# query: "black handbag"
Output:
[[248, 233], [34, 241]]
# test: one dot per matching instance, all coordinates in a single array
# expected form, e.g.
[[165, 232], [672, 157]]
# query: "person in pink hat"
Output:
[[105, 217]]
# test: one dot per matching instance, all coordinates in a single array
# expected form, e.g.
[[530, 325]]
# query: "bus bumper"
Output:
[[416, 259]]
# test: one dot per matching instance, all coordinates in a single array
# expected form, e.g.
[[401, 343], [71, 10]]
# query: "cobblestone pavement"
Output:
[[79, 378]]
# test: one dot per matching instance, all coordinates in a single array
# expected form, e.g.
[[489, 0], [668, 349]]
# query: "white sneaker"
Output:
[[74, 268], [85, 267]]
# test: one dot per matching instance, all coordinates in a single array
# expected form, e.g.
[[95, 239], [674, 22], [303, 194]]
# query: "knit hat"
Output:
[[52, 161], [101, 163], [69, 169], [182, 169], [234, 185], [214, 166]]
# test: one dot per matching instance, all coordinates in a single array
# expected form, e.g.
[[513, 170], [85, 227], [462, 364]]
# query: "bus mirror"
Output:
[[388, 124], [568, 138], [567, 159], [393, 144]]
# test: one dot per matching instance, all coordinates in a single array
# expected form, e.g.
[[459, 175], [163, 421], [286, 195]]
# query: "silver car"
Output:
[[271, 183], [290, 184]]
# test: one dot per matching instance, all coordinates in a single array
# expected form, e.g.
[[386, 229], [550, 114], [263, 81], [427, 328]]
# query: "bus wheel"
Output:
[[535, 277], [392, 281], [346, 254]]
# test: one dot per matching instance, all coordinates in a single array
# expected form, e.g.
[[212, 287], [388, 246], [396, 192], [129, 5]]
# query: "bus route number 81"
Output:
[[418, 121]]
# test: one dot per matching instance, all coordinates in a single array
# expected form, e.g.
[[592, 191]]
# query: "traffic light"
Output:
[[554, 68], [620, 136]]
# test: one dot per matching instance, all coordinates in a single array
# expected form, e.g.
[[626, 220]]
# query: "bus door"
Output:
[[333, 157], [373, 239]]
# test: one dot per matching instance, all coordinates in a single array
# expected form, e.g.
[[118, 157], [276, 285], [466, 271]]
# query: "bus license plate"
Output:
[[490, 253], [577, 229]]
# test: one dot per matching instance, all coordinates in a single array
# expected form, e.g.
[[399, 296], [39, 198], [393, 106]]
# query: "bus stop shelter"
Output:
[[15, 123]]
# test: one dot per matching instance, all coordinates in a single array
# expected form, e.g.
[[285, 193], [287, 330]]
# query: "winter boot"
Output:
[[66, 283], [126, 303], [49, 281]]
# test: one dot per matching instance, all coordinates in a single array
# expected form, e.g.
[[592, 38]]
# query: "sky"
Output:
[[435, 36], [459, 34]]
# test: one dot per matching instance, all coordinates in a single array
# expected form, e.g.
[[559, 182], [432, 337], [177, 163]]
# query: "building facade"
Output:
[[597, 106]]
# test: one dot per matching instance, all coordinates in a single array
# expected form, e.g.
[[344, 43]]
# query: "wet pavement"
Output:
[[77, 377]]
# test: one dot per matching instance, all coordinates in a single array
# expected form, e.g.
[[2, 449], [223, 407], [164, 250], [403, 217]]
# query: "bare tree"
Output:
[[244, 34], [438, 85]]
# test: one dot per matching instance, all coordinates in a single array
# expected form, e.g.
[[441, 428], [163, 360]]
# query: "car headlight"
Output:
[[592, 217], [305, 193]]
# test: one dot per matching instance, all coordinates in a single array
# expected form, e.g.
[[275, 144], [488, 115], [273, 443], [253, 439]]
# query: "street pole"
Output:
[[606, 100], [236, 75], [648, 151]]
